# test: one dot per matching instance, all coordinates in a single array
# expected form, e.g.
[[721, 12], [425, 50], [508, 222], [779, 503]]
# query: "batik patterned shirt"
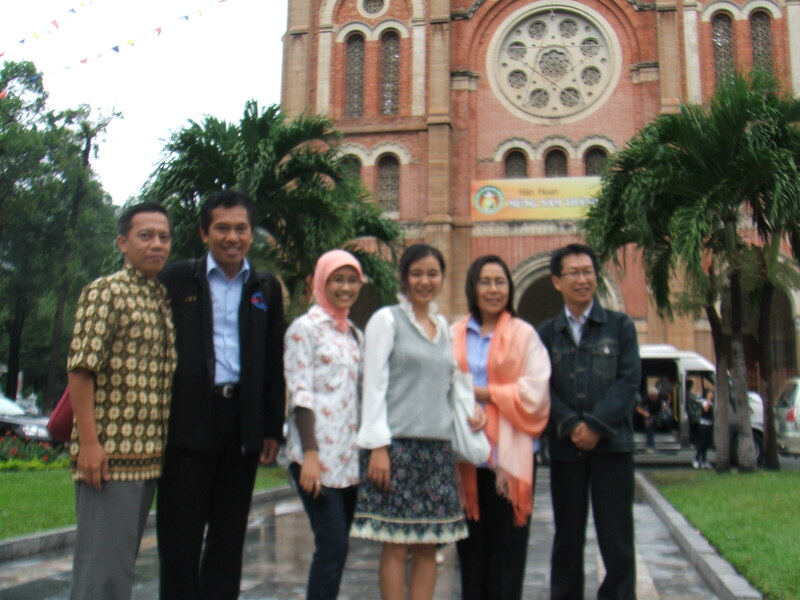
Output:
[[124, 336]]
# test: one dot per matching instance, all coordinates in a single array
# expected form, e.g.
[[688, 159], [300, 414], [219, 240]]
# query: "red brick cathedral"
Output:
[[481, 125]]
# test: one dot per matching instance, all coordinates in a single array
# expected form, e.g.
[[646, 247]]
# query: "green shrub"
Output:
[[18, 454]]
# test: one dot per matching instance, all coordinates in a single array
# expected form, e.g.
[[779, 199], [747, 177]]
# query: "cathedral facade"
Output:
[[481, 126]]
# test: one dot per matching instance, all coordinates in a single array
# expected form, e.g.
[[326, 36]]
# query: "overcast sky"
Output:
[[158, 62]]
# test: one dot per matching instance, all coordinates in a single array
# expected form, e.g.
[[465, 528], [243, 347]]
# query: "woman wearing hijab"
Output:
[[322, 364], [510, 372]]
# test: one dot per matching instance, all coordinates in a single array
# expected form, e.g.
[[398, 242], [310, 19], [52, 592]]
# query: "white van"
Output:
[[669, 370], [665, 364]]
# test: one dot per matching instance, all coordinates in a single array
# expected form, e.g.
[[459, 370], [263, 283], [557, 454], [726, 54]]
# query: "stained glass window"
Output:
[[389, 183], [595, 161], [390, 73], [722, 39], [555, 164], [516, 165], [354, 77], [373, 6], [761, 40], [554, 62]]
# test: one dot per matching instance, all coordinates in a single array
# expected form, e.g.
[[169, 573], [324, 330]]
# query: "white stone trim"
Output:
[[356, 150], [691, 46], [772, 8], [556, 141], [595, 142], [371, 156], [398, 26], [793, 27], [354, 26], [418, 66], [506, 146], [721, 6], [324, 71]]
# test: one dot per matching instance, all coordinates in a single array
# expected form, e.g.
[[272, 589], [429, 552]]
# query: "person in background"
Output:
[[323, 368], [228, 401], [409, 499], [649, 408], [596, 374], [706, 423], [510, 372], [120, 366]]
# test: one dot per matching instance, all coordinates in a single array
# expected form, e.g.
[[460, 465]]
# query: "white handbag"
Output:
[[468, 446]]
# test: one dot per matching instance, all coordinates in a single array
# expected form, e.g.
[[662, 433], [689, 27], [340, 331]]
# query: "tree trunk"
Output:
[[745, 449], [765, 362], [722, 441], [51, 388], [15, 345]]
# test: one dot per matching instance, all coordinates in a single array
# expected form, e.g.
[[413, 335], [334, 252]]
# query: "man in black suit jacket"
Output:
[[227, 403]]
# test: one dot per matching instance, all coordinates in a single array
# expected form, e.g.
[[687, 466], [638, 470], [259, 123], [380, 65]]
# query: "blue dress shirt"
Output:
[[226, 295]]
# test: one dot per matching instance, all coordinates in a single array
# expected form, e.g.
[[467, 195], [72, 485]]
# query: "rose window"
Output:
[[554, 63]]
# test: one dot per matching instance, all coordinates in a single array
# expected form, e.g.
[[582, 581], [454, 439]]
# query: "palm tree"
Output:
[[691, 191], [306, 203]]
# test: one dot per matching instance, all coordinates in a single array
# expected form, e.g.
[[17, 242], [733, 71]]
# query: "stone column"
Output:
[[669, 61], [296, 59]]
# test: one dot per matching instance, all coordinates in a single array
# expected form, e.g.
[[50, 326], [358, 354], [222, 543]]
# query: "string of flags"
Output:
[[53, 27]]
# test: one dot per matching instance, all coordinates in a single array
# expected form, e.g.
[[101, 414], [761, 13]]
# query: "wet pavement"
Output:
[[279, 547]]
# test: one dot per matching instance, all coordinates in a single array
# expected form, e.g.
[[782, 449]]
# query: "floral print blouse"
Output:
[[323, 368]]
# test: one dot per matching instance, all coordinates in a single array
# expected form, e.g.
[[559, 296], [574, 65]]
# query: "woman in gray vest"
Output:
[[408, 499]]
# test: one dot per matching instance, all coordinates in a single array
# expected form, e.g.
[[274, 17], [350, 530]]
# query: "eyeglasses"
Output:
[[578, 273], [486, 283]]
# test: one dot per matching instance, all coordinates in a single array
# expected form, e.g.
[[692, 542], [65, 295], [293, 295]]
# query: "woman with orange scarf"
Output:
[[511, 371]]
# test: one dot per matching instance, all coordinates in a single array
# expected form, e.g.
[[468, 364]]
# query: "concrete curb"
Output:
[[56, 539], [721, 577]]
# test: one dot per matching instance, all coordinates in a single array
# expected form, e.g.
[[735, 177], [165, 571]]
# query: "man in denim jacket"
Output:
[[595, 376]]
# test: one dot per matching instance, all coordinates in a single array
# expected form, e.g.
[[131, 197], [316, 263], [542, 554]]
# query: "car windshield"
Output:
[[9, 408]]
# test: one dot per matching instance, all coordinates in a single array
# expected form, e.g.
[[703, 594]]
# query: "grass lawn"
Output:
[[751, 519], [32, 501]]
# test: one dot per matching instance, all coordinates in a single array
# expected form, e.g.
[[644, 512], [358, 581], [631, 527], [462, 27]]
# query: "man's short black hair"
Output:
[[226, 199], [474, 275], [413, 254], [125, 221], [557, 257]]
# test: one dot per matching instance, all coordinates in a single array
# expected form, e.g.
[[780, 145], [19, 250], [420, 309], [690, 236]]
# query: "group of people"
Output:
[[179, 376]]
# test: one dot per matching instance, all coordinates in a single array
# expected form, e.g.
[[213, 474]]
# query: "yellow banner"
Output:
[[545, 199]]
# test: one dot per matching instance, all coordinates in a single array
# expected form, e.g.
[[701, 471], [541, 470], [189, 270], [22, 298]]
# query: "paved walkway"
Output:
[[279, 547]]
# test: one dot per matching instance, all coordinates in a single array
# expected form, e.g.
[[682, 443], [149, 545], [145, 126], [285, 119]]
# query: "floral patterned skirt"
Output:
[[422, 506]]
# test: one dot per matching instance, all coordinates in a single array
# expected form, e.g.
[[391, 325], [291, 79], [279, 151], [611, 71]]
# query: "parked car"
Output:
[[786, 408], [14, 421], [756, 424]]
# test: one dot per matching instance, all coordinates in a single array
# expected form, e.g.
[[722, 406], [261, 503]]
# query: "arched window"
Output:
[[351, 165], [555, 163], [761, 40], [516, 165], [389, 183], [390, 73], [595, 161], [354, 76], [722, 40]]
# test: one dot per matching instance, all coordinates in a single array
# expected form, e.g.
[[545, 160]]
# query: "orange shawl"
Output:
[[518, 372]]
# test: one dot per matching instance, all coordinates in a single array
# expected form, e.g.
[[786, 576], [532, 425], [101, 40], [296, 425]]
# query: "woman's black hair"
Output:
[[413, 254], [474, 275]]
